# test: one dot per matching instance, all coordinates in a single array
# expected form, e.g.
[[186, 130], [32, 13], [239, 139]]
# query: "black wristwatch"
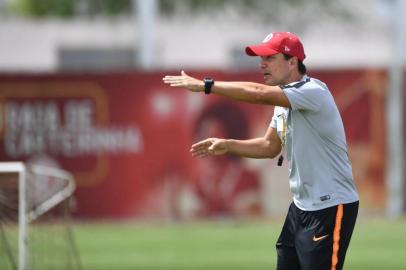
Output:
[[208, 83]]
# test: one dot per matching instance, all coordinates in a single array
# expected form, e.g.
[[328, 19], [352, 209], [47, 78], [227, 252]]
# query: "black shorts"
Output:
[[316, 240]]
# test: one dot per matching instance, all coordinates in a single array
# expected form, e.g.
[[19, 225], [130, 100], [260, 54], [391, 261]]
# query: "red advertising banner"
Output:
[[126, 139]]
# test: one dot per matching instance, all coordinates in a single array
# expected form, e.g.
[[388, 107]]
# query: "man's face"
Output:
[[276, 69]]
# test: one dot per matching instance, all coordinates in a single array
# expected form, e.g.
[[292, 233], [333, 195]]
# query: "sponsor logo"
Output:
[[317, 239], [325, 198]]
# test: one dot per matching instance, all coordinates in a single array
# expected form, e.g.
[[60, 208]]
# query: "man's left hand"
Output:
[[185, 81]]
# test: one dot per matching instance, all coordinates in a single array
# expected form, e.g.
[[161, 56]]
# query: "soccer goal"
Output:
[[35, 223]]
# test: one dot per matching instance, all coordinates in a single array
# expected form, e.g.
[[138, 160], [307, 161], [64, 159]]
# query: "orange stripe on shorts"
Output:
[[336, 236]]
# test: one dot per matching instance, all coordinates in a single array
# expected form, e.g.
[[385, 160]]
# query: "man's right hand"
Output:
[[209, 147]]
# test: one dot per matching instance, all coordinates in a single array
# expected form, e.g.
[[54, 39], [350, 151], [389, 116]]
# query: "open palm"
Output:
[[209, 147]]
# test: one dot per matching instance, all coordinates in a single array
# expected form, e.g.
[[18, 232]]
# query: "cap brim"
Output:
[[260, 50]]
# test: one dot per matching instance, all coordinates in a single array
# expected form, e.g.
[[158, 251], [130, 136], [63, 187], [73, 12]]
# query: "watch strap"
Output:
[[208, 84]]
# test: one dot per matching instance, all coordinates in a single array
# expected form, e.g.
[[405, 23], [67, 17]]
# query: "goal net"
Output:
[[35, 224]]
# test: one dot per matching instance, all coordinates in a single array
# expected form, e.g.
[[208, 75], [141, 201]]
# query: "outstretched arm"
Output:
[[268, 146], [243, 91]]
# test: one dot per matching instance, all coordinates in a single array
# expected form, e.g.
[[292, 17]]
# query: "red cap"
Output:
[[278, 42]]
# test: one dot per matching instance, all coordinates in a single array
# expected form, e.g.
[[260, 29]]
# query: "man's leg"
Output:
[[323, 237], [285, 246], [343, 237]]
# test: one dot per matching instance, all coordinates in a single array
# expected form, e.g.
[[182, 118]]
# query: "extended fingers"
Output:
[[177, 81], [171, 77], [176, 84], [167, 79], [200, 153], [200, 149], [202, 144], [181, 77]]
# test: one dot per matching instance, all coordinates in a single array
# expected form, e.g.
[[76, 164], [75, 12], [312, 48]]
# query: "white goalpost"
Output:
[[35, 228]]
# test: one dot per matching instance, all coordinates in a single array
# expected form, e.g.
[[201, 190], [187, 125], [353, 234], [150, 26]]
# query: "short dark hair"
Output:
[[300, 66]]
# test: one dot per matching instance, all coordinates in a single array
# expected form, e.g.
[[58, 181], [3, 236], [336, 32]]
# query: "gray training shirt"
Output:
[[320, 173]]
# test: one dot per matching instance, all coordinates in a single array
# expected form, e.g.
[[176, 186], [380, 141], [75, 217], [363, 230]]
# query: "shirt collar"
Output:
[[305, 77]]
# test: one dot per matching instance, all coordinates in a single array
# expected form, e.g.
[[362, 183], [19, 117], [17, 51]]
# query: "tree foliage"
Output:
[[70, 8], [40, 8]]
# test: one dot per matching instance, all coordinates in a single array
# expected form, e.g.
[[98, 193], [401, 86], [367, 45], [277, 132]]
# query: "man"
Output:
[[307, 128]]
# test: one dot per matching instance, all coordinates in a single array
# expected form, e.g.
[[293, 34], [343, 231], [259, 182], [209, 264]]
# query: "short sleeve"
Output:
[[305, 98]]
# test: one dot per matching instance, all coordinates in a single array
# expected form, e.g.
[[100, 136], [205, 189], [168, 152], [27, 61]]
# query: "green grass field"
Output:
[[223, 246]]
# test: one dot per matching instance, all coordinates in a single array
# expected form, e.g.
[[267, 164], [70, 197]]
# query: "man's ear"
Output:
[[293, 62]]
